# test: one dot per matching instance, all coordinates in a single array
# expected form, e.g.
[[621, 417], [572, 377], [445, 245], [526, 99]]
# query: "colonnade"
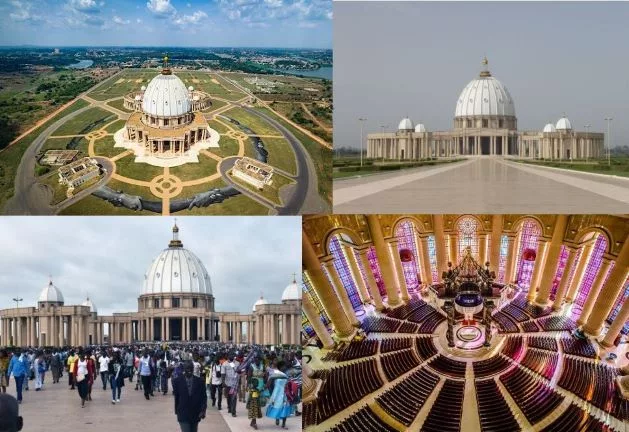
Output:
[[44, 330], [556, 145]]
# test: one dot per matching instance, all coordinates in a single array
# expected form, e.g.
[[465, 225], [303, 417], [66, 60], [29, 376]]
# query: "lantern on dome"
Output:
[[406, 255]]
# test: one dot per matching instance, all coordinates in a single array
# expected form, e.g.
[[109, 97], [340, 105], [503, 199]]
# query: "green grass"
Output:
[[105, 147], [191, 191], [216, 104], [131, 189], [219, 127], [115, 126], [90, 205], [90, 120], [119, 104], [78, 143], [109, 89], [238, 205], [227, 147], [58, 190], [356, 170], [281, 154], [321, 156], [270, 192], [127, 167], [223, 90], [619, 165], [253, 122], [192, 171], [10, 156]]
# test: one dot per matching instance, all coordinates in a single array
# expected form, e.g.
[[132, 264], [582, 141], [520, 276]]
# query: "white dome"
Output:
[[405, 124], [563, 124], [485, 96], [143, 88], [190, 88], [419, 127], [91, 305], [261, 301], [177, 270], [50, 294], [292, 292], [166, 96], [550, 128]]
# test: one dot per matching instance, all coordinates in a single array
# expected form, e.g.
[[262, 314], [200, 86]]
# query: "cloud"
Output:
[[22, 12], [195, 18], [260, 13], [243, 255], [117, 20], [138, 20], [87, 6], [161, 8]]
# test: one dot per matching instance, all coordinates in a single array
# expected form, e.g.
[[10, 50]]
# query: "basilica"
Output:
[[514, 322], [176, 303], [485, 123]]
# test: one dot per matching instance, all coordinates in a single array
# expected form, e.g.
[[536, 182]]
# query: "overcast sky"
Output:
[[232, 23], [396, 59], [107, 257]]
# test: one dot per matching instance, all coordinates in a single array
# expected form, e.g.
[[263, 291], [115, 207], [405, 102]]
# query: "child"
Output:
[[253, 403], [163, 376]]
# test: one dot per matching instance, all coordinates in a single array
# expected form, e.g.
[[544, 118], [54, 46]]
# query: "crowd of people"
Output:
[[264, 379]]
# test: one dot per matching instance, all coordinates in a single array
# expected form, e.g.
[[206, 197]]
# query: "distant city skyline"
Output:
[[193, 23], [414, 59]]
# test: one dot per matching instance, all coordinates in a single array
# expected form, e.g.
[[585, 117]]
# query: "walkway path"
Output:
[[480, 185]]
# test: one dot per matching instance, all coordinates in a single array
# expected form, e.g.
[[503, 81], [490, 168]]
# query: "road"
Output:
[[482, 185]]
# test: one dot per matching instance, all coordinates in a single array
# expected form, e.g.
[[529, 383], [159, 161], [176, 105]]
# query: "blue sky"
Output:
[[251, 23]]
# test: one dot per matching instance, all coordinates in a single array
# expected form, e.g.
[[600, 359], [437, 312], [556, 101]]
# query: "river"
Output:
[[82, 64]]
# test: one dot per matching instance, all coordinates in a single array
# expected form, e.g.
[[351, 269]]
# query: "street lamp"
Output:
[[362, 122], [609, 140], [587, 144], [17, 301], [384, 142]]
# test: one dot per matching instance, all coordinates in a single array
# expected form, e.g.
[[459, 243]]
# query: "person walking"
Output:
[[40, 371], [10, 419], [162, 373], [116, 377], [91, 367], [279, 407], [146, 374], [55, 367], [254, 411], [216, 382], [81, 375], [4, 371], [129, 361], [230, 379], [18, 368], [103, 369], [190, 399], [72, 358]]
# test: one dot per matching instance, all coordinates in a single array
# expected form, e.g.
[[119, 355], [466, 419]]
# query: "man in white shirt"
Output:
[[103, 362]]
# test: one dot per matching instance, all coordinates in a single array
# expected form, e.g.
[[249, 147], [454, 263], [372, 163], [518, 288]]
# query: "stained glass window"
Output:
[[314, 298], [593, 266], [432, 254], [622, 298], [529, 236], [502, 263], [467, 228], [362, 270], [406, 241], [306, 326], [344, 273], [561, 267], [375, 269]]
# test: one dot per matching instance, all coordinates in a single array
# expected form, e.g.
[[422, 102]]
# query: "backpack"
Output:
[[291, 391]]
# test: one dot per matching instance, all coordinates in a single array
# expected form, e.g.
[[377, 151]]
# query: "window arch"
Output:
[[405, 233], [593, 266], [467, 229], [529, 239], [342, 268], [502, 262], [375, 269]]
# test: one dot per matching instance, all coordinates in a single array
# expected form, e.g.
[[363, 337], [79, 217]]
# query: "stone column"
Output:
[[151, 328], [482, 249], [494, 247], [454, 248], [599, 280], [397, 262], [513, 249], [167, 328], [440, 245], [551, 261], [61, 335], [341, 292], [617, 325], [350, 256], [384, 260], [324, 290], [371, 280], [424, 261], [579, 272], [565, 277], [540, 260]]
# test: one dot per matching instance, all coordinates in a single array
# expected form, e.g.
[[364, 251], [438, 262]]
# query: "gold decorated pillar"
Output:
[[606, 263], [424, 261], [315, 321], [565, 277], [440, 244], [579, 272], [372, 286], [397, 262], [482, 249], [610, 292], [384, 260], [454, 248], [350, 256], [617, 325], [512, 251], [551, 261], [494, 247], [322, 287], [540, 260], [341, 292]]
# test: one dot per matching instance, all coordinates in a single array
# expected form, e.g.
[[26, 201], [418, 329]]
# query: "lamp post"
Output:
[[609, 140], [384, 143], [17, 301], [587, 145], [362, 122]]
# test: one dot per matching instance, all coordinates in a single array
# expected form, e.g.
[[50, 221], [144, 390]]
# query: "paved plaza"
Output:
[[482, 185], [58, 409]]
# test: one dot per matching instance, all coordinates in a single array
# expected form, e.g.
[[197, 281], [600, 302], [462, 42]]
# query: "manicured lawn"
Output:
[[119, 104], [216, 104], [192, 171], [237, 205], [127, 167], [58, 190], [619, 165], [122, 84], [253, 122], [227, 147], [105, 147], [131, 189], [281, 154], [77, 143], [321, 156], [191, 191], [219, 127], [90, 205], [10, 156], [115, 126], [92, 119], [220, 88]]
